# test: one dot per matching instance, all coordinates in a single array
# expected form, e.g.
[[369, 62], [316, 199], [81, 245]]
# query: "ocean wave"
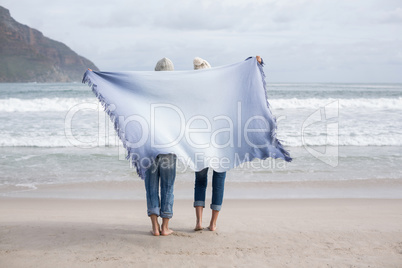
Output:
[[54, 141], [35, 142], [42, 104], [65, 104], [335, 86], [290, 141], [315, 103], [30, 186], [342, 141]]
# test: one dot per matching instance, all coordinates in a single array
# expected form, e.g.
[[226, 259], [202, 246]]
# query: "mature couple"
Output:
[[162, 174]]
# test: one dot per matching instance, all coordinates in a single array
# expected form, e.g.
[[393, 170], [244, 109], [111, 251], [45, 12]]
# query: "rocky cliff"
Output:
[[28, 56]]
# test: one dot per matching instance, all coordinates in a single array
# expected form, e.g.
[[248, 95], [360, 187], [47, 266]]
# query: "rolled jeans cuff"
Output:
[[216, 207], [166, 215], [154, 211], [199, 204]]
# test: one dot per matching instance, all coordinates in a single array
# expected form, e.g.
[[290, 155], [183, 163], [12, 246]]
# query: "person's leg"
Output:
[[201, 182], [167, 172], [198, 215], [165, 230], [218, 187], [156, 230], [152, 192]]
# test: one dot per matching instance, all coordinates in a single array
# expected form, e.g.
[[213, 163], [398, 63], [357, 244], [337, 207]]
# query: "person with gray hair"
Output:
[[162, 172], [201, 177], [201, 180]]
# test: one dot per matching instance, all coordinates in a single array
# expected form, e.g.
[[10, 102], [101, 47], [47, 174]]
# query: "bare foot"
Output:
[[214, 218], [166, 232], [198, 227], [156, 231], [198, 214], [165, 227], [212, 227]]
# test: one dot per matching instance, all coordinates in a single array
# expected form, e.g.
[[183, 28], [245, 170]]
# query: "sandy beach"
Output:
[[251, 233]]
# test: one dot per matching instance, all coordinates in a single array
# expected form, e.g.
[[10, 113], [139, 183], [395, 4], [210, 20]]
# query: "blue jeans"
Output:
[[218, 185], [162, 171]]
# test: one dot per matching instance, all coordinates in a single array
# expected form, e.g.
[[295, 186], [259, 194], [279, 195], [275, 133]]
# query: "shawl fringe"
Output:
[[115, 121], [275, 141]]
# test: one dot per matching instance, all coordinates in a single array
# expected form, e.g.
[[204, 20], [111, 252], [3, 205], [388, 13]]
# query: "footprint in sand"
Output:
[[182, 234]]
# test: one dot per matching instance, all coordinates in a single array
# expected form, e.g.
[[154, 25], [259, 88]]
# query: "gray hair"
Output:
[[200, 64], [164, 65]]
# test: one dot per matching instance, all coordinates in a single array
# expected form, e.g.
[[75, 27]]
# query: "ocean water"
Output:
[[58, 134]]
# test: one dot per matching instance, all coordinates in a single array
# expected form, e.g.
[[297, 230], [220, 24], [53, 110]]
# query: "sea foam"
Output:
[[314, 103], [41, 104], [65, 104]]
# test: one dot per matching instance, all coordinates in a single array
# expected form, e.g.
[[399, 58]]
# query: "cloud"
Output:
[[188, 15], [394, 16], [301, 40]]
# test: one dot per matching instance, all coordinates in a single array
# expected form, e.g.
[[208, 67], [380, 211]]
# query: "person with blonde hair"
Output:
[[161, 174], [201, 180], [201, 177]]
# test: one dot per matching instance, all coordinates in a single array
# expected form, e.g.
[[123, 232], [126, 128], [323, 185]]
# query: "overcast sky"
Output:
[[300, 40]]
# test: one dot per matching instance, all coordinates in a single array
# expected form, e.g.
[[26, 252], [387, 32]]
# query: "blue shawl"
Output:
[[218, 117]]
